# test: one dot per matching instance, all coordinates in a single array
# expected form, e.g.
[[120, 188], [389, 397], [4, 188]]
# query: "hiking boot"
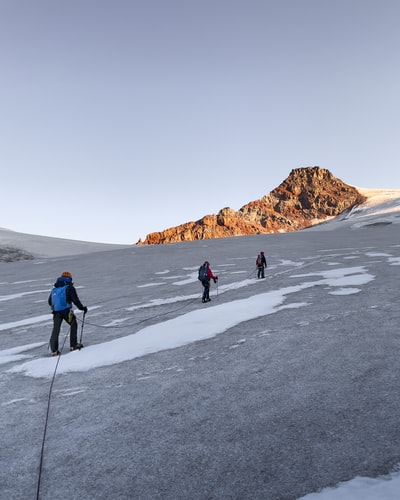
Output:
[[55, 353], [75, 347], [203, 300]]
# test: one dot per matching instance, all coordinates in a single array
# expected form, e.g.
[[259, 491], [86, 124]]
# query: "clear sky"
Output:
[[120, 118]]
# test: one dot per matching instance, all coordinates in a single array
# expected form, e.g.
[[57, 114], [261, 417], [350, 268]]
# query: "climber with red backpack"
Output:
[[205, 275], [261, 263]]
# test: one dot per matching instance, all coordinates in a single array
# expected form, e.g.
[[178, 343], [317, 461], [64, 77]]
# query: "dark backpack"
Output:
[[259, 261], [59, 298], [203, 272]]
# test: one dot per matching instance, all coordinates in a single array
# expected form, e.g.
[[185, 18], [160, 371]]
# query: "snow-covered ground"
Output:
[[189, 327], [328, 308]]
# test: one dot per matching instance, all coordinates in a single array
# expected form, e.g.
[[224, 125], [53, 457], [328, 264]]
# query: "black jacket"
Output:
[[263, 261]]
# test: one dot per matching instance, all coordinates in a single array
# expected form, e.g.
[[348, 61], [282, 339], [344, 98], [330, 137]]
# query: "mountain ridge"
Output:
[[308, 196], [381, 206]]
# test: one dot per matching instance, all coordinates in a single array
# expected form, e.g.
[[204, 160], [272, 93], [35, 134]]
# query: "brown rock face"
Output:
[[307, 196]]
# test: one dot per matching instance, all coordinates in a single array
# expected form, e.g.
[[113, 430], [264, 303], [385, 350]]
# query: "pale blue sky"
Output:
[[120, 118]]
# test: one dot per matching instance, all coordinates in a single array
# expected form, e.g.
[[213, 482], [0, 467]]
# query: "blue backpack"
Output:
[[59, 298], [203, 272]]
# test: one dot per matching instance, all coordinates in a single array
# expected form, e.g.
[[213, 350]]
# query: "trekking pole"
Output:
[[83, 322]]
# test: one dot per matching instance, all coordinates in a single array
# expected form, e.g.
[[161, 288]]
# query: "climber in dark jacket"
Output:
[[61, 298], [261, 263], [205, 277]]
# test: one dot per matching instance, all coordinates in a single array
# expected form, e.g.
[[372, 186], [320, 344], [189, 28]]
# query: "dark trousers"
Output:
[[206, 289], [260, 272], [58, 318]]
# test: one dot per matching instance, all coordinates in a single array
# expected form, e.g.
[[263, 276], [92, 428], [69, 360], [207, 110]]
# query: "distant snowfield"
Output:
[[381, 207], [380, 203], [44, 246], [378, 196]]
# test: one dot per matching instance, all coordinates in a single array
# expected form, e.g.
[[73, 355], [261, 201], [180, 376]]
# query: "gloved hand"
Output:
[[215, 279], [85, 310]]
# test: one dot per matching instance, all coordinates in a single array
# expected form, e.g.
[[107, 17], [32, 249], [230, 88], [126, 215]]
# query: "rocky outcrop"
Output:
[[306, 197], [8, 254]]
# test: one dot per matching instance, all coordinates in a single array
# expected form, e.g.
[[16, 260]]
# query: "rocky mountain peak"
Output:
[[306, 197]]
